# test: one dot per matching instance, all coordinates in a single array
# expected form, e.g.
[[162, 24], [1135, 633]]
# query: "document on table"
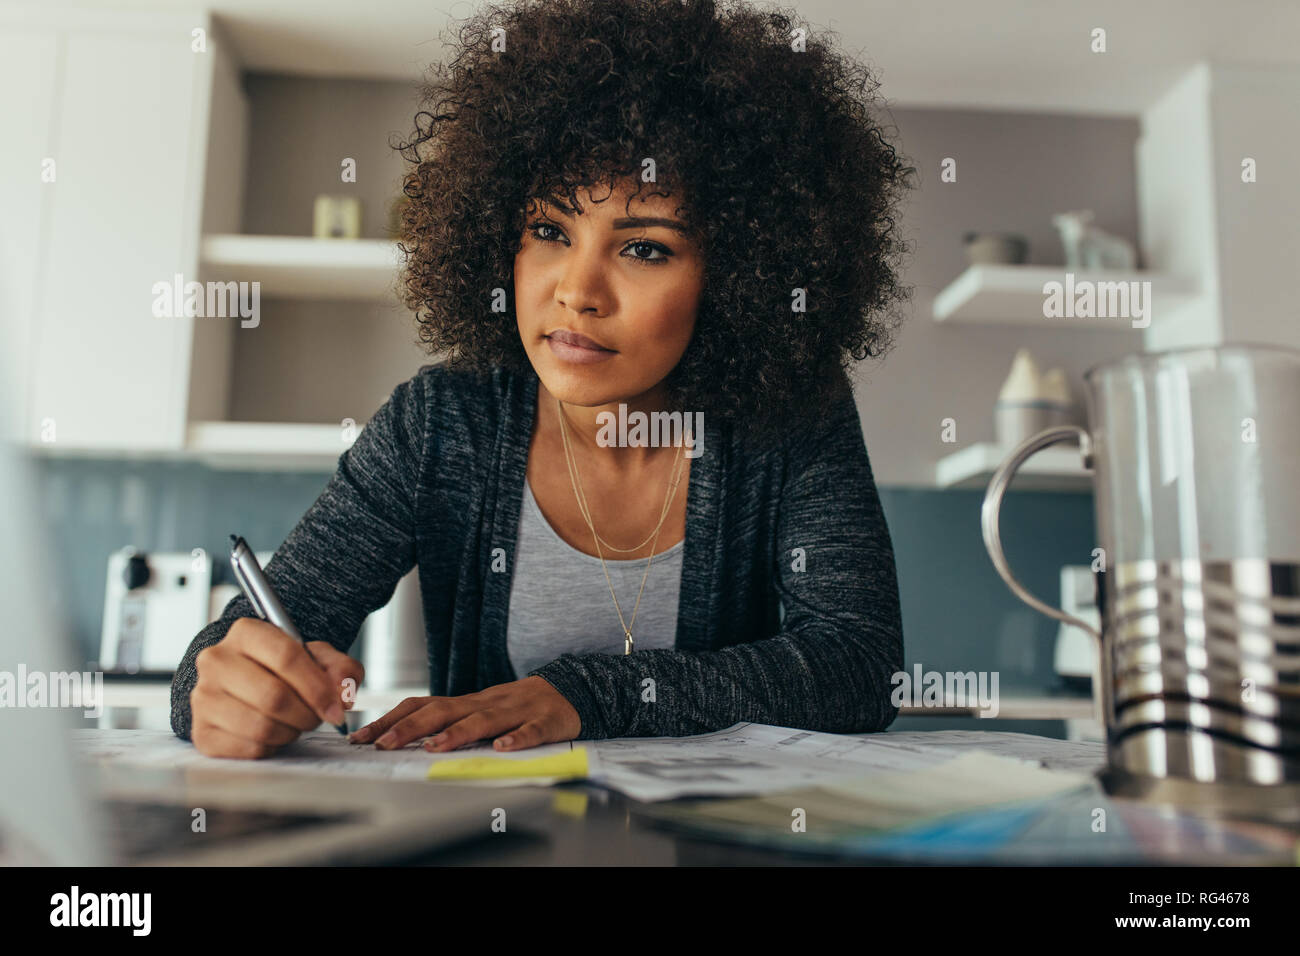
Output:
[[1085, 756], [758, 758], [744, 759], [884, 801], [318, 752]]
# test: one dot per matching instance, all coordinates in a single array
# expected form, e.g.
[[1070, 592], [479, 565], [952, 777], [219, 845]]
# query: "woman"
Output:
[[692, 210]]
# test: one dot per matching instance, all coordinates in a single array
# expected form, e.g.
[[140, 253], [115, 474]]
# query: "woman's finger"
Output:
[[235, 717], [341, 668], [212, 741], [429, 719], [371, 730], [531, 734], [288, 660], [481, 723], [258, 688]]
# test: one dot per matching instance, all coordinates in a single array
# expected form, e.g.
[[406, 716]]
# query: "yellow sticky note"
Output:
[[569, 802], [566, 765]]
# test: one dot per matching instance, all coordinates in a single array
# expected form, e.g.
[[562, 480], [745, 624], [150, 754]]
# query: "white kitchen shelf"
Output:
[[303, 267], [1013, 295], [1052, 469], [266, 445], [242, 446]]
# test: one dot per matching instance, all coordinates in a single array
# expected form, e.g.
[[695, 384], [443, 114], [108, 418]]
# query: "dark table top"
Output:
[[586, 825], [608, 832]]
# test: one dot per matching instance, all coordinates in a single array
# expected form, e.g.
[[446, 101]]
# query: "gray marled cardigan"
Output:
[[789, 610]]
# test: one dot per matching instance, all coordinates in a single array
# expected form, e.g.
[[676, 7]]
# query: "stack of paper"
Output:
[[880, 802]]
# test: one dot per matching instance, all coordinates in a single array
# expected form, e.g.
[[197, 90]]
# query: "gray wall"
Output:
[[361, 350], [300, 130], [1014, 171]]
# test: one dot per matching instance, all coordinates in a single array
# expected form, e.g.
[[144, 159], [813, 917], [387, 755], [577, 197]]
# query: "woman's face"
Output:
[[621, 290]]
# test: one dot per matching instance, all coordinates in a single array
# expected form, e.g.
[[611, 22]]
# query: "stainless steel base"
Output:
[[1278, 803]]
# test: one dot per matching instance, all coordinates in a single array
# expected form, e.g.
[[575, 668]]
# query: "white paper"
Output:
[[317, 752], [885, 800], [758, 758], [1082, 756], [974, 778], [743, 759]]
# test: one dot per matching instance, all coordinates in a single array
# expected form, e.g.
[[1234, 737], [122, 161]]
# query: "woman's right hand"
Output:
[[258, 689]]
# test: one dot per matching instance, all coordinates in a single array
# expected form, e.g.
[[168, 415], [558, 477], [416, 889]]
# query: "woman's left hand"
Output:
[[522, 714]]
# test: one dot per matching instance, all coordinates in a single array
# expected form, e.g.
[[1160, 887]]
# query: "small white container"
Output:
[[1013, 422], [1030, 402]]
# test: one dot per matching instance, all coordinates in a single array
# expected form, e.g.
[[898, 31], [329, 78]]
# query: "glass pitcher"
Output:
[[1195, 460]]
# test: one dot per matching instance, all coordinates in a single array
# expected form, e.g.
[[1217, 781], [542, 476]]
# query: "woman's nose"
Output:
[[583, 285]]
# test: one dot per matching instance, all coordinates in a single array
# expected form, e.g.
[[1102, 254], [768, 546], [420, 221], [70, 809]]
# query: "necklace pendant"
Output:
[[627, 642]]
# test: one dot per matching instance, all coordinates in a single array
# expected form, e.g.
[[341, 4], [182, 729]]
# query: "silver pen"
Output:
[[261, 595]]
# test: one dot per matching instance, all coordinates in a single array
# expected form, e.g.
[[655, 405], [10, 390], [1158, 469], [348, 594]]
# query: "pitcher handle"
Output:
[[991, 513]]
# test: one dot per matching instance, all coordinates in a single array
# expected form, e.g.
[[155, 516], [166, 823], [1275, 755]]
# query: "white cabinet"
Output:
[[152, 146], [27, 83], [121, 109]]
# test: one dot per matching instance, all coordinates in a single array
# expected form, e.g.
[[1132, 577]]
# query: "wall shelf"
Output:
[[266, 445], [234, 446], [303, 267], [1052, 469], [1013, 295]]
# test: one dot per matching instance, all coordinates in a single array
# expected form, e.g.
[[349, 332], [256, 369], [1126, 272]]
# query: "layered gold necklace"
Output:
[[674, 479]]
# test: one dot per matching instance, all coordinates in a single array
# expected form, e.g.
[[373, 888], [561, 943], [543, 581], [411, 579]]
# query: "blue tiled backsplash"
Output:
[[957, 613]]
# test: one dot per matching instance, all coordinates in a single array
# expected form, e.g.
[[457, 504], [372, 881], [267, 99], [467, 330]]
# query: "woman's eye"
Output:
[[652, 247], [643, 248], [537, 227]]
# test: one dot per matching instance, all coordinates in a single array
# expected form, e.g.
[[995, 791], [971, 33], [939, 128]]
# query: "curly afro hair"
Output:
[[756, 125]]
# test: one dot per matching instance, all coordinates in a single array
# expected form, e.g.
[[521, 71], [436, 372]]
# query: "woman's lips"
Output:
[[572, 347]]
